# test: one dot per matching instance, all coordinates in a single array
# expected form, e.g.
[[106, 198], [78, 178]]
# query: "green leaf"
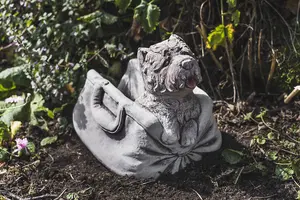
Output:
[[3, 154], [48, 140], [231, 3], [262, 113], [123, 4], [273, 155], [59, 109], [248, 116], [98, 16], [217, 37], [108, 19], [35, 105], [14, 127], [296, 167], [232, 156], [4, 132], [148, 15], [153, 13], [260, 140], [271, 136], [284, 173], [235, 17], [15, 75], [31, 147], [6, 85], [17, 112]]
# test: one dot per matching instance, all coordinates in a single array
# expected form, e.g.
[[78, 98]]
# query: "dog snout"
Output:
[[189, 63]]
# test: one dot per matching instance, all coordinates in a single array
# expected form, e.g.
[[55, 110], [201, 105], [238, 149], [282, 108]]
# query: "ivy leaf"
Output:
[[123, 4], [153, 13], [232, 156], [48, 141], [147, 14]]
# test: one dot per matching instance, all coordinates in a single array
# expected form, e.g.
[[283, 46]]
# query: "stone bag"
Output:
[[126, 137]]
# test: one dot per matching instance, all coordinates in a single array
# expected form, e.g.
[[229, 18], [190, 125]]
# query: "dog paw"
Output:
[[189, 133], [169, 138]]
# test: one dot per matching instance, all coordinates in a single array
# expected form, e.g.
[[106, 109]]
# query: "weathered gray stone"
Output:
[[156, 121]]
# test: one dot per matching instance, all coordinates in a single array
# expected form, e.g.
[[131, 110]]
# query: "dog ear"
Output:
[[141, 55], [176, 37]]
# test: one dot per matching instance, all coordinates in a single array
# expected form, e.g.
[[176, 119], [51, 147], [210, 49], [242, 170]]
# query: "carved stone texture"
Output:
[[156, 121]]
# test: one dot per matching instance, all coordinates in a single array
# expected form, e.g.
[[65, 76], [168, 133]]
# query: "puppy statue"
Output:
[[156, 121]]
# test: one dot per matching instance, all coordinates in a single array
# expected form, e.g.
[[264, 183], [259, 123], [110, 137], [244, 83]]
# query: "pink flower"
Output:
[[21, 143]]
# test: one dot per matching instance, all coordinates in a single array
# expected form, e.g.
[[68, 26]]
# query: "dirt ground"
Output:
[[68, 170]]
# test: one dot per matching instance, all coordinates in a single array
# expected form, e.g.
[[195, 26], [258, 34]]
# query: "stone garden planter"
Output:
[[156, 121]]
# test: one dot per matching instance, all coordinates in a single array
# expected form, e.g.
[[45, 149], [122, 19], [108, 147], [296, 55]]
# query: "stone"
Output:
[[156, 121]]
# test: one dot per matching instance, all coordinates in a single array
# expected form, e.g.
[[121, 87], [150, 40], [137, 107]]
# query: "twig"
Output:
[[262, 119], [238, 177], [287, 151], [292, 94], [209, 81], [197, 194], [9, 45], [60, 194], [41, 197], [293, 139], [28, 198], [296, 182], [5, 198], [266, 197], [259, 55], [253, 129], [250, 63], [11, 195], [272, 70]]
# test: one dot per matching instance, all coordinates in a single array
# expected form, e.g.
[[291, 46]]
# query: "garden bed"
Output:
[[67, 170]]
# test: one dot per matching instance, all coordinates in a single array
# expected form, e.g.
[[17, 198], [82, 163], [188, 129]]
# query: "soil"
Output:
[[68, 168]]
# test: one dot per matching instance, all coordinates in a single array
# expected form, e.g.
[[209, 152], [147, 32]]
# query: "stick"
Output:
[[28, 198], [292, 94], [209, 81], [272, 70], [197, 194]]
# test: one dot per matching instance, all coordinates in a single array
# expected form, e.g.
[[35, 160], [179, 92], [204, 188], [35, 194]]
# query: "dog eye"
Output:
[[167, 61]]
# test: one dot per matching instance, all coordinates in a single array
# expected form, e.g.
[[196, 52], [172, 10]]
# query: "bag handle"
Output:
[[109, 121]]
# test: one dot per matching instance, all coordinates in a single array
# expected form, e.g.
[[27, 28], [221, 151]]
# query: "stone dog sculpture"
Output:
[[156, 121]]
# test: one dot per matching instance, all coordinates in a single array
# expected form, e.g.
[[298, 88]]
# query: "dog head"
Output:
[[169, 67]]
